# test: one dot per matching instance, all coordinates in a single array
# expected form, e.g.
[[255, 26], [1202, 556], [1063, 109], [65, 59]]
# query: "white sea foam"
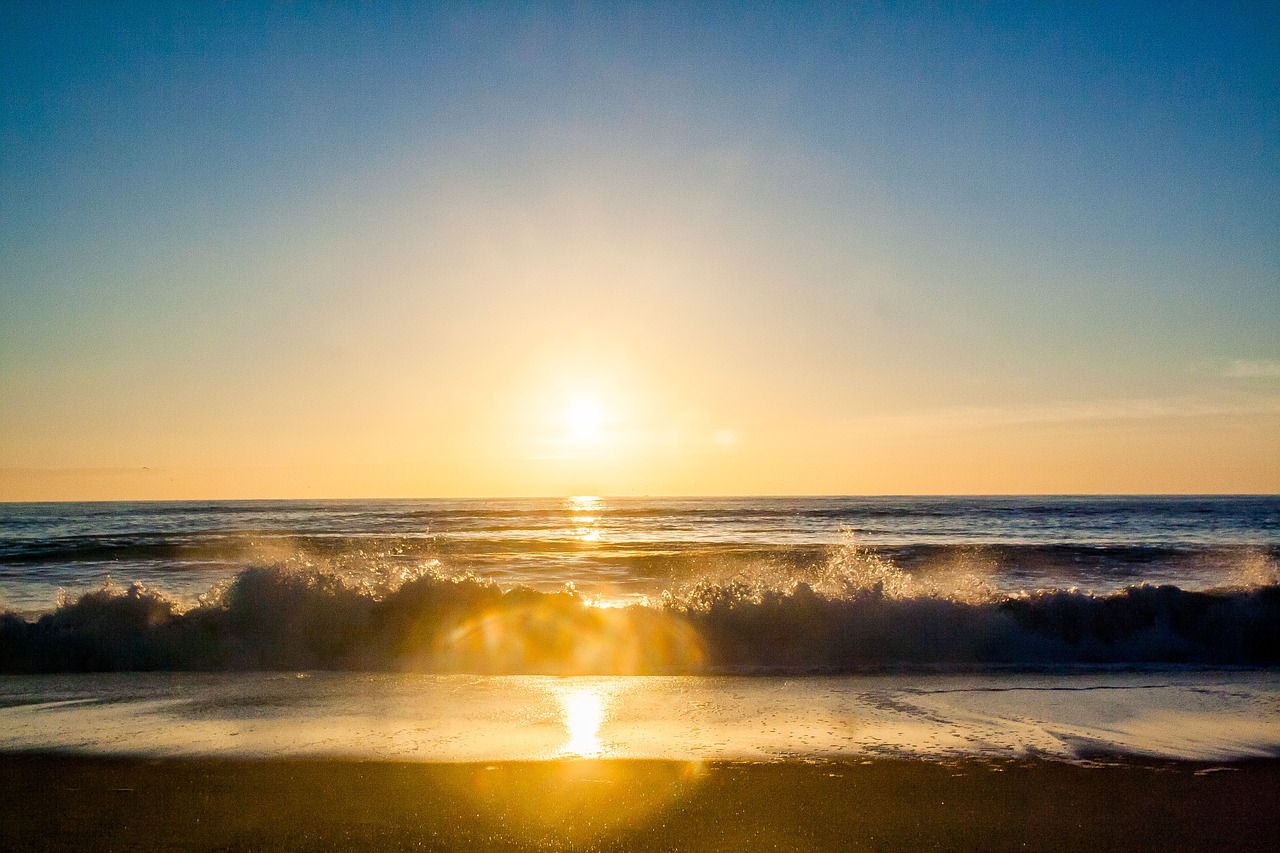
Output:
[[730, 585], [860, 614], [1209, 716]]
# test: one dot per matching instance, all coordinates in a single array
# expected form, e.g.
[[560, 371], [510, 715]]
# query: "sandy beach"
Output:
[[77, 803], [334, 761]]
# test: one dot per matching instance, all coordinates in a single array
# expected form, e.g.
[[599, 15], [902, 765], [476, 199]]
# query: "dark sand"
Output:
[[78, 803]]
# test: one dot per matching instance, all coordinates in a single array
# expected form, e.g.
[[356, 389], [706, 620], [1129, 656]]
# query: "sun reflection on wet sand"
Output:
[[1212, 716], [583, 714], [583, 710]]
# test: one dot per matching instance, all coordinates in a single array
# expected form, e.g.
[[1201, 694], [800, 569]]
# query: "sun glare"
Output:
[[583, 714], [585, 419]]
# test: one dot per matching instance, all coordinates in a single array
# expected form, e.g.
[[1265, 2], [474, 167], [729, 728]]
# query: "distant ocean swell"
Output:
[[856, 612]]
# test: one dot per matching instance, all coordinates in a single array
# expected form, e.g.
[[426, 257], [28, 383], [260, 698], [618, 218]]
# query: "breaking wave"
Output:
[[858, 611]]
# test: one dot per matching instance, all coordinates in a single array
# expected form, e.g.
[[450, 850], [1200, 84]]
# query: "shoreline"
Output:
[[58, 801], [1179, 716]]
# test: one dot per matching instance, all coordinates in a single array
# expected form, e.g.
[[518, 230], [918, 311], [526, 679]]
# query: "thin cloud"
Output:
[[979, 417], [1253, 369]]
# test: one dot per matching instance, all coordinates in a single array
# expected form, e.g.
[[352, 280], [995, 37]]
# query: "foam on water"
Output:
[[767, 628], [1207, 716], [628, 548], [859, 612]]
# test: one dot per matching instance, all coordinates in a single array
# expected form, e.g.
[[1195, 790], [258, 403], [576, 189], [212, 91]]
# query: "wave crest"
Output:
[[859, 612]]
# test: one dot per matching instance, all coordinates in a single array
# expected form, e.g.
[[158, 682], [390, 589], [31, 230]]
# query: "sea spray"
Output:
[[276, 618]]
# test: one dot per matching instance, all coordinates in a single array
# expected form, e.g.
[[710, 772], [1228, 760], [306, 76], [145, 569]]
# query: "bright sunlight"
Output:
[[586, 421], [583, 714]]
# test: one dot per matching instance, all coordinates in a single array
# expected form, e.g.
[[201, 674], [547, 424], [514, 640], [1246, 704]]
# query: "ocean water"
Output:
[[765, 627], [632, 547], [726, 584]]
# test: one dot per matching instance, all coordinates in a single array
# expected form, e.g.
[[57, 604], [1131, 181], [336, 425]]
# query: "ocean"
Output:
[[636, 627], [626, 549]]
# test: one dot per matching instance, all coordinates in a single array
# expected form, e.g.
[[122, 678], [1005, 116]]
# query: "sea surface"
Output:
[[764, 628], [624, 549]]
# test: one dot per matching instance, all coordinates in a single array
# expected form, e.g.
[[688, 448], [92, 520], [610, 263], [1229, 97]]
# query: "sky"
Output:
[[363, 250]]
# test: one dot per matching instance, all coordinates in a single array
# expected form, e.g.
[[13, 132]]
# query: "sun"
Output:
[[585, 419]]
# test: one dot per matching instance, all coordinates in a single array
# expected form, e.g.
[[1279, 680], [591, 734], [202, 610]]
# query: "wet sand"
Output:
[[60, 802], [1171, 715]]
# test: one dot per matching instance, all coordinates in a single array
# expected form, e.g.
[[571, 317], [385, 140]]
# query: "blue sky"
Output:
[[227, 228]]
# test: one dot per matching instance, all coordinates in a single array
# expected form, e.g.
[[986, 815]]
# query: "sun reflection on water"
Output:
[[586, 530], [584, 509]]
